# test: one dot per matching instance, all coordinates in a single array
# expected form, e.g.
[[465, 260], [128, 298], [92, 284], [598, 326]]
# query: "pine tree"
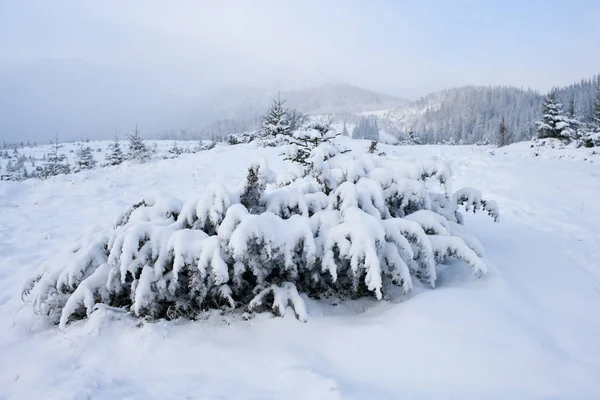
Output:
[[571, 111], [175, 150], [554, 123], [56, 163], [413, 138], [596, 114], [345, 130], [137, 148], [275, 122], [85, 159], [115, 155], [504, 136]]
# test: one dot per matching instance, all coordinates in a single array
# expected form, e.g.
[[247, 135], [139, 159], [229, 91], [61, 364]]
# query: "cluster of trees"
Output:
[[565, 125], [479, 115], [470, 115], [366, 128], [56, 161]]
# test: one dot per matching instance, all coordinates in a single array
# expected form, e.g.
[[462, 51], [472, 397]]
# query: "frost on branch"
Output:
[[348, 226]]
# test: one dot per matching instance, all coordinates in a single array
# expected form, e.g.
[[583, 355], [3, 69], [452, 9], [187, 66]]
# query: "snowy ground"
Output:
[[99, 151], [528, 329]]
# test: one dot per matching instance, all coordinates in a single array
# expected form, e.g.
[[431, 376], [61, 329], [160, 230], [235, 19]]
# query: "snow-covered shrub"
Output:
[[246, 137], [175, 150], [138, 150], [56, 163], [114, 155], [201, 146], [85, 159], [350, 226]]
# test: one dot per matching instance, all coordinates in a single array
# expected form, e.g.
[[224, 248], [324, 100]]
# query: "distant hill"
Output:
[[471, 114], [336, 99]]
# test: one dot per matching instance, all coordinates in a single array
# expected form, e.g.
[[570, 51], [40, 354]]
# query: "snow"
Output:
[[528, 329]]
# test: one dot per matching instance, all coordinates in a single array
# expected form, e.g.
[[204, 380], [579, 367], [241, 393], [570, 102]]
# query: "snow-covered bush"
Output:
[[175, 150], [114, 155], [345, 226], [138, 150], [56, 162], [85, 159]]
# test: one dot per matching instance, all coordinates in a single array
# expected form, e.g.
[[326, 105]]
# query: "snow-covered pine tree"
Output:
[[175, 150], [571, 112], [413, 138], [504, 136], [115, 155], [85, 159], [56, 163], [16, 171], [590, 133], [275, 121], [345, 130], [380, 224], [137, 148], [596, 113], [201, 146], [554, 123]]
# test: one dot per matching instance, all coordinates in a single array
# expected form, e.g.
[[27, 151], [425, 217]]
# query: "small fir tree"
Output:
[[56, 163], [275, 122], [137, 148], [554, 123], [504, 136], [115, 155], [85, 159]]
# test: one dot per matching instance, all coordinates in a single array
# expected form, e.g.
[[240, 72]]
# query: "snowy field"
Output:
[[530, 328]]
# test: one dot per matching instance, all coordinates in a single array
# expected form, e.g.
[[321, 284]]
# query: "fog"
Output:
[[90, 69]]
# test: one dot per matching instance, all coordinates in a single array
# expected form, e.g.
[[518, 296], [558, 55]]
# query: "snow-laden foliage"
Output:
[[56, 162], [275, 123], [85, 159], [138, 150], [114, 155], [555, 123], [348, 225]]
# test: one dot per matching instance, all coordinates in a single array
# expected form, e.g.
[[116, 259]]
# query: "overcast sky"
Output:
[[404, 48]]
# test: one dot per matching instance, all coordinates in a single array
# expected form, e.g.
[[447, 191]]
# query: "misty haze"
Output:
[[299, 199]]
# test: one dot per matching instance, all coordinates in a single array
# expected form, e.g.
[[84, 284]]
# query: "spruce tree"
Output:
[[554, 123], [137, 148], [345, 130], [504, 136], [413, 138], [115, 155], [175, 150], [596, 115], [56, 163], [571, 111], [85, 158], [275, 122]]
